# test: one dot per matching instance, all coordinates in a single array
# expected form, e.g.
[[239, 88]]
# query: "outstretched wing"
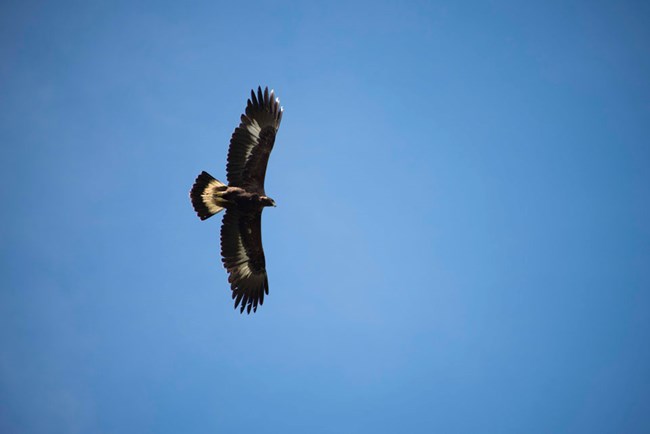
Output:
[[252, 141], [243, 257]]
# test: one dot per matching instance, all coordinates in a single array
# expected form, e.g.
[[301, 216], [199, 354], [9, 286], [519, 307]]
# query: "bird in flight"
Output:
[[243, 199]]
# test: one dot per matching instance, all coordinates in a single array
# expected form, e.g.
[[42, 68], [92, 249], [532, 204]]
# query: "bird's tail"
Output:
[[206, 195]]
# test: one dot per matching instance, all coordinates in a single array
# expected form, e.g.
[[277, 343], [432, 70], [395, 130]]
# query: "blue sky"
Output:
[[462, 237]]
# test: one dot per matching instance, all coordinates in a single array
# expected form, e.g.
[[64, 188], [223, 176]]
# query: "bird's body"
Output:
[[243, 199]]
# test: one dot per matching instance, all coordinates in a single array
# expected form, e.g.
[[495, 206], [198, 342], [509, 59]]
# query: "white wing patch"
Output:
[[244, 268], [254, 129]]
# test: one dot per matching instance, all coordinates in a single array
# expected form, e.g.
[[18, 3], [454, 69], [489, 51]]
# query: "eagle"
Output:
[[243, 199]]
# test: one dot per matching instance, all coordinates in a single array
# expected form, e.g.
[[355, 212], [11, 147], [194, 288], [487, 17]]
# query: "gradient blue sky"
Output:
[[462, 237]]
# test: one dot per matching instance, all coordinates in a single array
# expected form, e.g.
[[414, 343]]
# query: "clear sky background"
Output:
[[462, 237]]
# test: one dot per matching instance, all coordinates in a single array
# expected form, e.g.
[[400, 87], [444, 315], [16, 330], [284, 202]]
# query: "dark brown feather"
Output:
[[252, 141], [243, 257]]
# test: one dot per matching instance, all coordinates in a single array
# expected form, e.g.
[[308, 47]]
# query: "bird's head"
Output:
[[267, 201]]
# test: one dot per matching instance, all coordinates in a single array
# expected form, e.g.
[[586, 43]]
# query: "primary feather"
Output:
[[252, 141]]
